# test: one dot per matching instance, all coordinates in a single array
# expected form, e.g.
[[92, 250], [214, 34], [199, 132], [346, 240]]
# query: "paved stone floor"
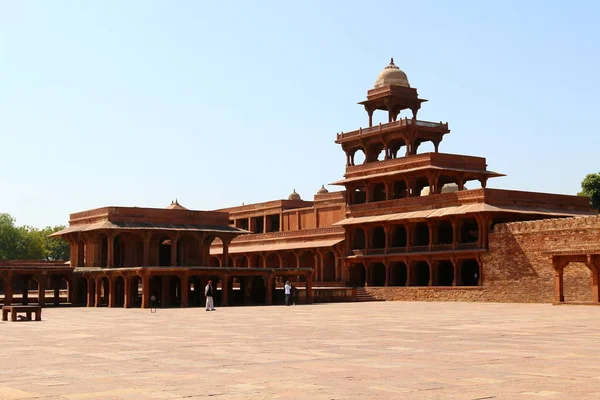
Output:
[[393, 350]]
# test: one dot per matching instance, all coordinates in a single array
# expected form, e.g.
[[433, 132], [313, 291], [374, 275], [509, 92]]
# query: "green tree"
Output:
[[10, 237], [590, 187], [54, 248]]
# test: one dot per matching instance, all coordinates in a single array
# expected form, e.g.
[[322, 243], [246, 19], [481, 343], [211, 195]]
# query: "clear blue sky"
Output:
[[218, 103]]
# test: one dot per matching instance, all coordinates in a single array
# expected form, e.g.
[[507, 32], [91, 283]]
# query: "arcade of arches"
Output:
[[416, 272]]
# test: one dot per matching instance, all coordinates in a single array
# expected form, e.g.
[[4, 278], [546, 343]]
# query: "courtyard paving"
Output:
[[393, 350]]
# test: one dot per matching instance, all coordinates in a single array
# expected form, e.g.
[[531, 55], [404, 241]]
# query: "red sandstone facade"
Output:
[[405, 227]]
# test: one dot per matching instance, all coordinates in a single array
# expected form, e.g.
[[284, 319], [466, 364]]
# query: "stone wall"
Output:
[[516, 269]]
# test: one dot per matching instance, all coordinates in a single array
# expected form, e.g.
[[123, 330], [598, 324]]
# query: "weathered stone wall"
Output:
[[516, 269]]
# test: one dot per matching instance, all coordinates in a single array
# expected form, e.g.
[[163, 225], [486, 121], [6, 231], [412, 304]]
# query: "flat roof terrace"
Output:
[[450, 351]]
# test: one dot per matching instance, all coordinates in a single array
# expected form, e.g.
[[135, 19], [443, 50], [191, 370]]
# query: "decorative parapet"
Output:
[[377, 129], [574, 223], [301, 234]]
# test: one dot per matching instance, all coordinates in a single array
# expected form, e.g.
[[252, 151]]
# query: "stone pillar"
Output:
[[146, 256], [91, 285], [595, 285], [265, 230], [165, 298], [8, 288], [56, 297], [110, 240], [98, 292], [173, 252], [146, 291], [225, 290], [454, 223], [432, 235], [431, 272], [225, 262], [112, 291], [309, 290], [408, 272], [185, 288], [71, 290], [455, 275], [559, 293], [127, 292]]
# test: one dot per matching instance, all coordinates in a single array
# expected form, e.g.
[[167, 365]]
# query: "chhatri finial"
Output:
[[176, 202], [392, 61]]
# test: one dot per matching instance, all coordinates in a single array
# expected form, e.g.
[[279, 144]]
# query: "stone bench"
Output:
[[28, 310]]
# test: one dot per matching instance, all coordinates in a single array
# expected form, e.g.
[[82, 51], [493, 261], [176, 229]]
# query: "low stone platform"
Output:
[[383, 350]]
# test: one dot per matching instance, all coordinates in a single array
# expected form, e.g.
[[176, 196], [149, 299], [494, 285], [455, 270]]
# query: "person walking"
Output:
[[288, 292], [209, 293]]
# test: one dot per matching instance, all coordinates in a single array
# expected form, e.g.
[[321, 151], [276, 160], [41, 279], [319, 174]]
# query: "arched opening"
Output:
[[469, 231], [425, 146], [289, 260], [104, 252], [164, 251], [398, 274], [258, 290], [359, 157], [359, 196], [400, 190], [420, 273], [188, 251], [358, 242], [421, 234], [445, 233], [357, 275], [215, 261], [445, 273], [91, 284], [256, 261], [128, 250], [420, 184], [196, 291], [307, 260], [378, 238], [379, 192], [135, 291], [104, 291], [156, 291], [80, 291], [398, 238], [377, 274], [329, 267], [576, 282], [272, 260], [394, 147], [119, 300], [469, 272], [375, 152]]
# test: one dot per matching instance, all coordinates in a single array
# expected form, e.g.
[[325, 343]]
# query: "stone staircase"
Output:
[[363, 295]]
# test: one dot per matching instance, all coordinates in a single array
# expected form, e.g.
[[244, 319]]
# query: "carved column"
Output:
[[145, 291], [454, 223], [127, 281], [91, 285], [98, 292], [112, 291], [225, 290], [8, 288], [455, 276], [431, 227], [146, 256], [110, 241], [309, 290], [387, 273], [431, 272], [408, 272], [225, 261], [559, 293], [593, 266], [165, 295]]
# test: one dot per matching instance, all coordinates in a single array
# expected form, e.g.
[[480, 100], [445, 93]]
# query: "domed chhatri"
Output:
[[392, 75], [323, 190], [294, 196], [175, 206]]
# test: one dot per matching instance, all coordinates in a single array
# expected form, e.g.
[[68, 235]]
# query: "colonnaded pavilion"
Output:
[[404, 226]]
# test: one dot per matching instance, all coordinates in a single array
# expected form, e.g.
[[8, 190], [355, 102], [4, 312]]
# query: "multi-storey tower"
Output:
[[410, 219]]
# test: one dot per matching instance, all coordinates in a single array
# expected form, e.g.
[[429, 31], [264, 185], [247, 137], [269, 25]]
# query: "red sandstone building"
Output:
[[404, 226]]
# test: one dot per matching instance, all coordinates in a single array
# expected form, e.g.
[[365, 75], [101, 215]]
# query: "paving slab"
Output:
[[383, 350]]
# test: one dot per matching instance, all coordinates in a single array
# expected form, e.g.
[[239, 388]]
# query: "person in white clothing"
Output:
[[208, 292], [288, 292]]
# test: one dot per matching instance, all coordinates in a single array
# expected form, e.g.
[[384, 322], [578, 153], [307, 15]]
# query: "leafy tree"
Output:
[[590, 187], [29, 243]]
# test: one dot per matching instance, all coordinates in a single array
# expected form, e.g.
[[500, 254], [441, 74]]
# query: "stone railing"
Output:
[[575, 223], [389, 126], [329, 231]]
